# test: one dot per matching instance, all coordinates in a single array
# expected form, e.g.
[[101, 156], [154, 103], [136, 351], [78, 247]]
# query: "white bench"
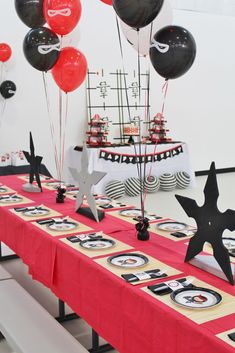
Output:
[[28, 327]]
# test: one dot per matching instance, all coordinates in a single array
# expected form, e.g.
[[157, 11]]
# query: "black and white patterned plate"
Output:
[[196, 298], [171, 226], [128, 260], [97, 244]]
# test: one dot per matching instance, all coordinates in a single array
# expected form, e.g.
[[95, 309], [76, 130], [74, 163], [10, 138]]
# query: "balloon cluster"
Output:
[[7, 88], [146, 25], [42, 45]]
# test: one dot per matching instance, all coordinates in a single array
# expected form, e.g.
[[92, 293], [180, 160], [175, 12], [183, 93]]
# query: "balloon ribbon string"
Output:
[[64, 132], [164, 91], [60, 132], [125, 83], [140, 151], [51, 124]]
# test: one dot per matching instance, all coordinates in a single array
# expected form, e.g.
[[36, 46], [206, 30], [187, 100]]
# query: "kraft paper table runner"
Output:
[[151, 265], [80, 229], [119, 246], [226, 307], [52, 213], [224, 336], [24, 200]]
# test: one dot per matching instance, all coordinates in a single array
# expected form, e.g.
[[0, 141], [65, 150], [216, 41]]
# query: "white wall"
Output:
[[200, 106]]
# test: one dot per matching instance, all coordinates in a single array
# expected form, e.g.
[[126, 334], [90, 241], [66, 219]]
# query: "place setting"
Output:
[[195, 299], [172, 229], [106, 203], [31, 213], [132, 215], [228, 337], [60, 226], [95, 244], [5, 190], [9, 199], [136, 267], [228, 242]]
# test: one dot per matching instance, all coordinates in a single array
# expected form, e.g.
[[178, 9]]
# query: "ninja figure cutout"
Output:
[[34, 162]]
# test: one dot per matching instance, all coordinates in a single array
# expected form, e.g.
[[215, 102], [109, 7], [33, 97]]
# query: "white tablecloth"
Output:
[[122, 171]]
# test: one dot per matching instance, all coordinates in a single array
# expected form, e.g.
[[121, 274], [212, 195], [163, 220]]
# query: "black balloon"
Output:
[[41, 48], [7, 89], [30, 12], [172, 51], [137, 13]]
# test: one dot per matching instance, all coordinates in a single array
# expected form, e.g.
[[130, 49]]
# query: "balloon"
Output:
[[172, 51], [70, 69], [41, 48], [5, 52], [30, 12], [62, 15], [108, 2], [137, 13], [140, 40], [7, 89]]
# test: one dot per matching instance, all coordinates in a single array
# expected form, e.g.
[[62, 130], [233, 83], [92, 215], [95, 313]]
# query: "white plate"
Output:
[[130, 260], [196, 298], [97, 244], [61, 226], [2, 189], [103, 200], [36, 212], [171, 226], [133, 212]]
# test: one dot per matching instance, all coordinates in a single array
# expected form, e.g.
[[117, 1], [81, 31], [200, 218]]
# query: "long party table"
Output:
[[130, 317]]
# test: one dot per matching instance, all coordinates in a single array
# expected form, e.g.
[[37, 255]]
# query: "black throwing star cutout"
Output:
[[34, 162], [211, 224]]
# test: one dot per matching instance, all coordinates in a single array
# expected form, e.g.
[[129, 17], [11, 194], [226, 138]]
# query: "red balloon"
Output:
[[108, 2], [5, 52], [70, 69], [62, 15]]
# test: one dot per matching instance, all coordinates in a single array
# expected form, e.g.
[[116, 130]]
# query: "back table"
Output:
[[128, 316]]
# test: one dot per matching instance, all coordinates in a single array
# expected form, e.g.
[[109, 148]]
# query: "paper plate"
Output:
[[2, 189], [229, 243], [61, 226], [36, 211], [171, 226], [128, 260], [10, 198], [196, 298], [103, 200], [97, 244], [132, 212]]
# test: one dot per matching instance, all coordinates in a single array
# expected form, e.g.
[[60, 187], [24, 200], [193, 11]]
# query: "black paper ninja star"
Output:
[[211, 224], [34, 162]]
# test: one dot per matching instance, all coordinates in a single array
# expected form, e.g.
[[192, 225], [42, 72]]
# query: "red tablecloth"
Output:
[[128, 318]]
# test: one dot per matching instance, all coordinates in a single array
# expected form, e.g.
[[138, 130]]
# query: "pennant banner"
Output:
[[140, 158]]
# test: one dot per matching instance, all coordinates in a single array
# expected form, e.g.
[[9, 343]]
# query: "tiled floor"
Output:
[[162, 203]]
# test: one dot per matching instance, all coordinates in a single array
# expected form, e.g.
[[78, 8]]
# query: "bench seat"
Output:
[[28, 327]]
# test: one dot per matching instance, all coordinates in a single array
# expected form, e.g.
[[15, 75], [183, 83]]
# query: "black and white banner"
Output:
[[143, 158]]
